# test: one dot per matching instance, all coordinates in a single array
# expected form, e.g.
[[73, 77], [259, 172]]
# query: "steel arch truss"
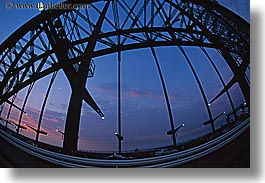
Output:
[[70, 39]]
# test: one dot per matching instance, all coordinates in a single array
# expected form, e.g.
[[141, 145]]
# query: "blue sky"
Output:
[[144, 113]]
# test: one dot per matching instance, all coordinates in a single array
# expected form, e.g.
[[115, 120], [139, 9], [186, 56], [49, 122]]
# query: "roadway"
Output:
[[234, 155], [11, 157]]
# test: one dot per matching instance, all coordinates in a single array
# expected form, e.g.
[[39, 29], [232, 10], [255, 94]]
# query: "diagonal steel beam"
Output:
[[78, 91], [68, 68], [220, 77], [90, 101], [238, 77], [225, 89]]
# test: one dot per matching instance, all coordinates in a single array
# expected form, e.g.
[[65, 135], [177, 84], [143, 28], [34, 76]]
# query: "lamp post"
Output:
[[16, 125], [242, 107], [174, 132], [37, 131], [1, 109], [120, 139], [61, 132], [213, 120]]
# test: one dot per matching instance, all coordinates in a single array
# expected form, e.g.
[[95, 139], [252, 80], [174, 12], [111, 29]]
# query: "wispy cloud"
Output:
[[109, 90]]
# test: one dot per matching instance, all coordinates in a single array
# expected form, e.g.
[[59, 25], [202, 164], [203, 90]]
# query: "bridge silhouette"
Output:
[[67, 41]]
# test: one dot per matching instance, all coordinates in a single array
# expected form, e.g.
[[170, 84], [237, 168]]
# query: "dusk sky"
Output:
[[145, 118]]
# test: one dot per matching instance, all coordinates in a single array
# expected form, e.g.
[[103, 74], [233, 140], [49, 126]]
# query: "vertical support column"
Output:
[[119, 103], [1, 108], [44, 105], [73, 121], [117, 26], [246, 90], [74, 107], [166, 96], [78, 88], [10, 108], [243, 83], [24, 105], [77, 79]]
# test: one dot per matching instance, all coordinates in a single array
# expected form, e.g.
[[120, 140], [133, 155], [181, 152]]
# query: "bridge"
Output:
[[70, 40]]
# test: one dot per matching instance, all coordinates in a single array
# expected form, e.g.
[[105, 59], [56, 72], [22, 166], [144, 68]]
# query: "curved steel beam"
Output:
[[172, 126], [95, 1], [45, 55], [35, 22], [147, 45], [220, 78], [18, 57], [200, 87], [24, 105], [226, 54], [56, 67], [38, 131], [230, 16], [142, 30], [10, 108]]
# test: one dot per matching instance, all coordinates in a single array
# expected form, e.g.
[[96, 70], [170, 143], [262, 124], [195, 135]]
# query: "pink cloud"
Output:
[[134, 93]]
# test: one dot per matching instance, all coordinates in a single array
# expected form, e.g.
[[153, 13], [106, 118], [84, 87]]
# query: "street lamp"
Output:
[[100, 114], [170, 132], [120, 139], [243, 106], [37, 131], [119, 136], [213, 120], [61, 132], [174, 132], [16, 125]]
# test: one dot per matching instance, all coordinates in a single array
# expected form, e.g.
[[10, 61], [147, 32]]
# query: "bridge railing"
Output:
[[169, 160]]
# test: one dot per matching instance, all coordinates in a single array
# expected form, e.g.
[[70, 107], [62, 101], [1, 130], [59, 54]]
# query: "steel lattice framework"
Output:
[[69, 39]]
